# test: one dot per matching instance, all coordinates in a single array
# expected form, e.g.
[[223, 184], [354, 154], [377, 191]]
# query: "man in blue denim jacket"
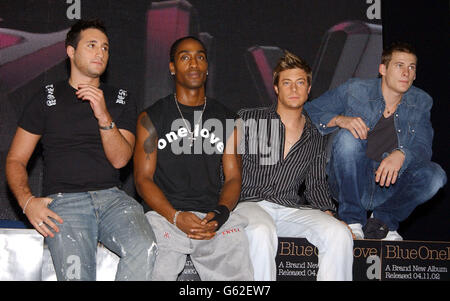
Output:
[[381, 155]]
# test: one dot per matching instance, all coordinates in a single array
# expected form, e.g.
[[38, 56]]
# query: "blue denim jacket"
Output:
[[363, 98]]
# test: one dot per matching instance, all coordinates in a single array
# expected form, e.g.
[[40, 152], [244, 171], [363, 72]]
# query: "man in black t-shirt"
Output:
[[181, 150], [87, 130]]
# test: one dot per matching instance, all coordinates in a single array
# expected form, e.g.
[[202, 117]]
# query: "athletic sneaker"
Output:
[[393, 235], [357, 230]]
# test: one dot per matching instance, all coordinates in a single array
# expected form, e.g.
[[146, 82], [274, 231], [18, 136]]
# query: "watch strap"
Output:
[[108, 127]]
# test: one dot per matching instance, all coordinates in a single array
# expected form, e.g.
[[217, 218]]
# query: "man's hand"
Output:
[[196, 228], [387, 172], [355, 125], [97, 101], [38, 214], [206, 221]]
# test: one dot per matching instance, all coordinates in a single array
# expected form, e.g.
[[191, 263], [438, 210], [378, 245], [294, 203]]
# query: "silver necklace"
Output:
[[191, 133]]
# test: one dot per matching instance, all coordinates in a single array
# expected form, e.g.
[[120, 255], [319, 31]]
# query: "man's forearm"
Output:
[[231, 191], [17, 177], [332, 122], [117, 149], [155, 198]]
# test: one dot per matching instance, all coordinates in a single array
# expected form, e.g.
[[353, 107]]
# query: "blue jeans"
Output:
[[351, 175], [108, 216]]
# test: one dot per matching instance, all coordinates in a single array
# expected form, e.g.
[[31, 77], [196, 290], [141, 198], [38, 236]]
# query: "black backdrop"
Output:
[[425, 24]]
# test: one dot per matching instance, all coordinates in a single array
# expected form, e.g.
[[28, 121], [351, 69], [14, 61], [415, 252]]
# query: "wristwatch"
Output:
[[108, 127]]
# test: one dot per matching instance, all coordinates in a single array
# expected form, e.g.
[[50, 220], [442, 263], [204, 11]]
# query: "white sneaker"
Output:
[[393, 235], [357, 230]]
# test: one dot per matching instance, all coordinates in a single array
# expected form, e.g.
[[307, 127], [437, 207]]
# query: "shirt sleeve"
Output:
[[324, 108], [34, 114], [317, 192], [128, 117]]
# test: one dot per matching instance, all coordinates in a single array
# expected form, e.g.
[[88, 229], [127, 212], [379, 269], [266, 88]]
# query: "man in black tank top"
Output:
[[187, 170]]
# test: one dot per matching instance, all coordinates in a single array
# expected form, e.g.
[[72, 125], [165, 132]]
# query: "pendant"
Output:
[[192, 138]]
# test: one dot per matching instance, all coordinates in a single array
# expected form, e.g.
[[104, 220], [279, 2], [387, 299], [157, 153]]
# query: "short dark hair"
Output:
[[173, 48], [291, 61], [396, 47], [73, 36]]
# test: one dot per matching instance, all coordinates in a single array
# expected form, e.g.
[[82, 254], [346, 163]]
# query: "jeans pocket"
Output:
[[126, 198], [55, 199]]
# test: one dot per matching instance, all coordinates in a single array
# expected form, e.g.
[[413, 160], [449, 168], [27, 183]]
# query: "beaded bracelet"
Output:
[[175, 217]]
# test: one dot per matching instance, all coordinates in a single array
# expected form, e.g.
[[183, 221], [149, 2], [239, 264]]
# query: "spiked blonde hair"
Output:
[[291, 61]]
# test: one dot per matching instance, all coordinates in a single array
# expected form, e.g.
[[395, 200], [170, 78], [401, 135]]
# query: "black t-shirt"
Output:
[[191, 177], [74, 159], [382, 138]]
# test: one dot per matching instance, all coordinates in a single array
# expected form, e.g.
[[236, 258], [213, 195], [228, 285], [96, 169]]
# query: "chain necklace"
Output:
[[390, 111], [191, 133]]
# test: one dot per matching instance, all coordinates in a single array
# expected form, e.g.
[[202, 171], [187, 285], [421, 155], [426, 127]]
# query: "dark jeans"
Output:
[[352, 183]]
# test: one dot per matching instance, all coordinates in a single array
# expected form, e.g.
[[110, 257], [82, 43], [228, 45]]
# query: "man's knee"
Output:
[[435, 177], [339, 234], [346, 145], [259, 222], [261, 231], [144, 244], [421, 182], [440, 177], [262, 237]]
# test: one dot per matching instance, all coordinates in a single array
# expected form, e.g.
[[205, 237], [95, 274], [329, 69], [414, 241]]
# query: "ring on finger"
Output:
[[40, 224]]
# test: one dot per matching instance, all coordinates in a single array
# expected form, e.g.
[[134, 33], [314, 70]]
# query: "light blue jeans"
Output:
[[108, 216]]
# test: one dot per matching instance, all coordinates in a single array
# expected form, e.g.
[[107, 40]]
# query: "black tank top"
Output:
[[190, 177]]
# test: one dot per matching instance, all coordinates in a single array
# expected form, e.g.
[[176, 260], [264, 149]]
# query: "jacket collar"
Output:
[[378, 93]]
